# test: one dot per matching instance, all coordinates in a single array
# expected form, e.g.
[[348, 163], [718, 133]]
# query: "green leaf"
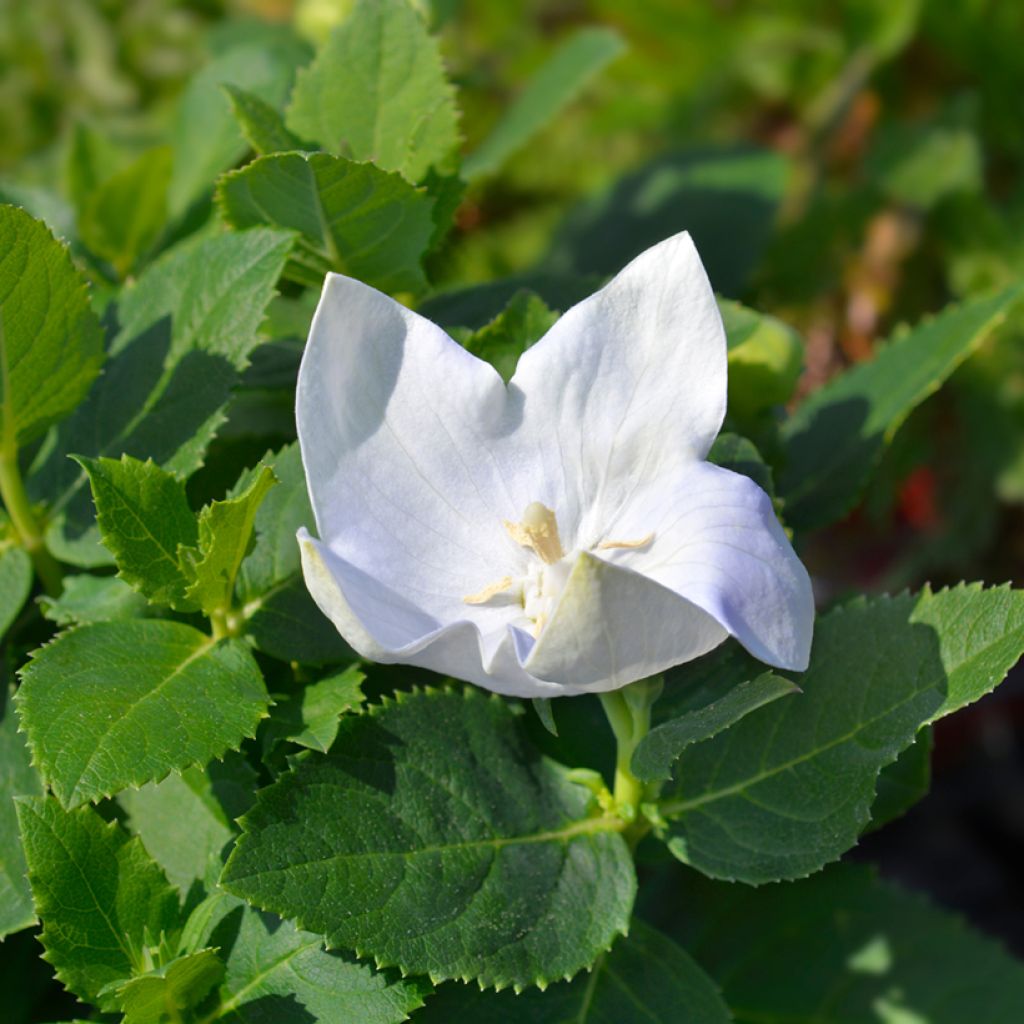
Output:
[[187, 327], [164, 994], [225, 533], [122, 217], [17, 778], [262, 126], [93, 599], [525, 320], [435, 839], [558, 81], [16, 577], [731, 451], [377, 91], [904, 782], [867, 950], [353, 218], [661, 747], [100, 897], [206, 138], [311, 718], [645, 979], [144, 518], [749, 804], [837, 435], [277, 973], [51, 344], [185, 820], [117, 704], [765, 359]]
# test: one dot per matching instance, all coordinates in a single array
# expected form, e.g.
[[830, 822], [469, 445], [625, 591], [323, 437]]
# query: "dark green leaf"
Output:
[[100, 897], [262, 126], [51, 344], [645, 979], [377, 91], [93, 599], [434, 838], [17, 778], [837, 434], [731, 451], [16, 577], [144, 518], [904, 782], [311, 718], [117, 704], [353, 218], [558, 81]]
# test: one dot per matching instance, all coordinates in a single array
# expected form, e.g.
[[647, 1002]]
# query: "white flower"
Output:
[[558, 535]]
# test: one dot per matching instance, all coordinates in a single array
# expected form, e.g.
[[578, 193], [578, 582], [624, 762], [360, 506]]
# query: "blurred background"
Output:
[[847, 167]]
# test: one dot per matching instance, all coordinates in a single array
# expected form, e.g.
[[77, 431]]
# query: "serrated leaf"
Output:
[[837, 434], [206, 138], [164, 994], [17, 778], [144, 518], [311, 718], [352, 218], [661, 747], [186, 820], [93, 599], [225, 534], [187, 327], [122, 216], [435, 839], [731, 451], [51, 344], [118, 704], [867, 951], [377, 91], [645, 979], [558, 81], [904, 782], [16, 577], [262, 126], [525, 320], [277, 973], [100, 897], [751, 803]]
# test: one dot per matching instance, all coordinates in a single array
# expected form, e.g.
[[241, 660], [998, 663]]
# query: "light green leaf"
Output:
[[17, 778], [16, 577], [731, 451], [51, 344], [434, 838], [525, 320], [164, 994], [904, 782], [377, 91], [661, 747], [206, 138], [749, 804], [117, 704], [558, 81], [144, 518], [225, 533], [277, 973], [185, 821], [645, 979], [311, 718], [123, 216], [867, 950], [93, 599], [837, 435], [100, 897], [353, 218], [187, 328], [262, 126]]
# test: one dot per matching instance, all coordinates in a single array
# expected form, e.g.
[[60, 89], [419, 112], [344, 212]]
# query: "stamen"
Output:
[[490, 591], [539, 532], [641, 543]]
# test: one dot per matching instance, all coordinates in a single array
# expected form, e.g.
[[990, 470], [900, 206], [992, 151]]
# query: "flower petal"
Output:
[[612, 626], [628, 383], [718, 543]]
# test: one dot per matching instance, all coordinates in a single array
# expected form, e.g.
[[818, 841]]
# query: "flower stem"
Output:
[[26, 526]]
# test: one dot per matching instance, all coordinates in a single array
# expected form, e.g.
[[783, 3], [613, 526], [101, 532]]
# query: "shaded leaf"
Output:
[[904, 782], [731, 451], [311, 718], [93, 599], [16, 577]]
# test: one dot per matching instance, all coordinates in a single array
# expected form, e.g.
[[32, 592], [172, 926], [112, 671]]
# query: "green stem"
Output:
[[225, 622], [26, 526]]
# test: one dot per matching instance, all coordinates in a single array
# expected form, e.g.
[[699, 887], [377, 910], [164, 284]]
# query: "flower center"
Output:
[[538, 590]]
